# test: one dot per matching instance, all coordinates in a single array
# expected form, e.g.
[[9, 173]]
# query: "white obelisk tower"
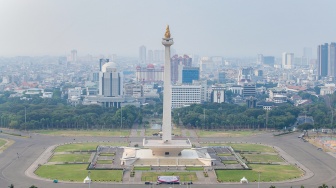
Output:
[[167, 93]]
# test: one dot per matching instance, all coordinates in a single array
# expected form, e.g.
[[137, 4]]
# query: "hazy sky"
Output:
[[207, 27]]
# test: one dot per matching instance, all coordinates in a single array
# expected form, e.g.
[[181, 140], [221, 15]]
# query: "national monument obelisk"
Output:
[[167, 146], [167, 93]]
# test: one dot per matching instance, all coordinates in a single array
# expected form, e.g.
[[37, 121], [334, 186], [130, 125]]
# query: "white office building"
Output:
[[110, 81], [287, 60], [185, 95]]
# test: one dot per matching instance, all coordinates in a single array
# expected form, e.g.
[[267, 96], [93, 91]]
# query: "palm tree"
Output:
[[323, 186]]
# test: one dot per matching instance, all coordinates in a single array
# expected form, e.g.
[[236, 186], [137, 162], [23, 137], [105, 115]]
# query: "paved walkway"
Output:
[[43, 159]]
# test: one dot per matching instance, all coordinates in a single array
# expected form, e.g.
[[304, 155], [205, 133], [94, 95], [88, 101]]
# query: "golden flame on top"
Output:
[[167, 34]]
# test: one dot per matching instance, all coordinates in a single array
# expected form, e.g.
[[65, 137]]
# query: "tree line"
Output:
[[55, 113]]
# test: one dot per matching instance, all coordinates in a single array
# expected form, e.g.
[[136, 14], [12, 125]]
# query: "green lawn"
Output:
[[142, 168], [70, 158], [196, 168], [104, 132], [269, 173], [2, 142], [107, 154], [252, 148], [77, 172], [86, 146], [224, 154], [230, 162], [184, 176], [104, 162], [245, 147], [262, 158], [214, 133], [150, 132]]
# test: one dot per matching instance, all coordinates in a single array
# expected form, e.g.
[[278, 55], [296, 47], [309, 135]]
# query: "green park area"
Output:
[[221, 133], [245, 147], [2, 142], [101, 132], [104, 162], [77, 172], [184, 176], [86, 146], [268, 173], [70, 158], [262, 158]]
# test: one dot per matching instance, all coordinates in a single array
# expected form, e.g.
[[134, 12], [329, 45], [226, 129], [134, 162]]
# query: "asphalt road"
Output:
[[12, 167]]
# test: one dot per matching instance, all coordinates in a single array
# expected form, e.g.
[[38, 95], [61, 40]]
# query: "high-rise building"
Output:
[[260, 59], [74, 55], [150, 58], [189, 74], [332, 60], [110, 81], [221, 77], [249, 90], [102, 62], [176, 60], [269, 60], [150, 73], [142, 54], [322, 58], [287, 60]]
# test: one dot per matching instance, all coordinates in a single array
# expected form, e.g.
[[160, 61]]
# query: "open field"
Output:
[[104, 162], [184, 176], [2, 142], [70, 158], [150, 132], [245, 147], [230, 162], [77, 172], [204, 133], [196, 168], [86, 146], [268, 173], [104, 132], [262, 158], [142, 168]]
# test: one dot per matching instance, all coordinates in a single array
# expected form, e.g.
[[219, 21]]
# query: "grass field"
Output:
[[184, 176], [86, 146], [196, 168], [104, 162], [70, 158], [2, 142], [150, 132], [230, 162], [142, 168], [224, 154], [204, 133], [104, 132], [245, 147], [268, 173], [262, 158], [107, 154], [77, 172]]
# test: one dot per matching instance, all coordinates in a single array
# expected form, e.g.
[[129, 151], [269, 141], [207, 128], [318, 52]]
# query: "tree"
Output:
[[11, 186], [272, 186], [33, 186], [323, 186]]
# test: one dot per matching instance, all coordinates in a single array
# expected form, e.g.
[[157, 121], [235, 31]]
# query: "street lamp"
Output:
[[89, 179], [258, 179]]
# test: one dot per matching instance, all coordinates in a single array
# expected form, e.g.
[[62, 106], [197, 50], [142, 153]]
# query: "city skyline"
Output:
[[219, 28]]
